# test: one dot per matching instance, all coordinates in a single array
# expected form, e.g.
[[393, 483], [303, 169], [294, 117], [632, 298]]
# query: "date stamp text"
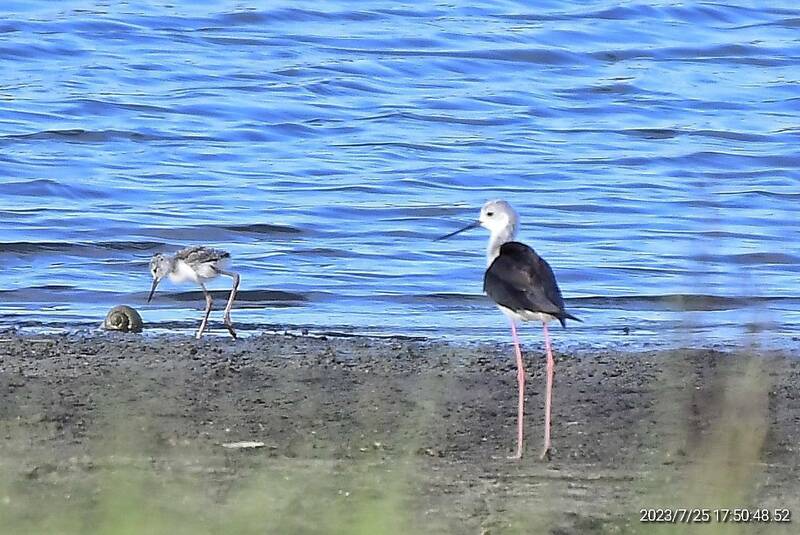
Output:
[[698, 515]]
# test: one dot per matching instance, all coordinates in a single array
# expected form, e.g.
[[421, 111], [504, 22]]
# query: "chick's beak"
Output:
[[153, 289]]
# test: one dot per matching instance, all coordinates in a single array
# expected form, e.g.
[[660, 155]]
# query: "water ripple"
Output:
[[649, 147]]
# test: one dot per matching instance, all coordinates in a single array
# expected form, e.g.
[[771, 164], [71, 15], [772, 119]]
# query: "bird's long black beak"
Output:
[[474, 224], [153, 289]]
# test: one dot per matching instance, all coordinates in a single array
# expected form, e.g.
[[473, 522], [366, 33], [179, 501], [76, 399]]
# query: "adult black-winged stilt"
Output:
[[523, 286], [198, 264]]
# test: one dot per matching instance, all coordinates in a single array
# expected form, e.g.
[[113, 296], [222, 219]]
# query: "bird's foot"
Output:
[[517, 456], [229, 326], [546, 454]]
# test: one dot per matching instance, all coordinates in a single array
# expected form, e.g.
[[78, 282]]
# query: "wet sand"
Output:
[[423, 426]]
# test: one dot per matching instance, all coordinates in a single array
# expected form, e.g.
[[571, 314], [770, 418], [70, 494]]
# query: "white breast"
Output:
[[183, 272], [526, 315]]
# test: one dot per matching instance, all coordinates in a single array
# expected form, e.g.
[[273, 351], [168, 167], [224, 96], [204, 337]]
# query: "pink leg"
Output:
[[521, 384], [548, 393]]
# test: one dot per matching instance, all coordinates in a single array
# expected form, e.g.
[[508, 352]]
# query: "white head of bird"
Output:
[[501, 220], [160, 266]]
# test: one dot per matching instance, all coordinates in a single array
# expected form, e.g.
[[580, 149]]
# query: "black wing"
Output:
[[519, 279]]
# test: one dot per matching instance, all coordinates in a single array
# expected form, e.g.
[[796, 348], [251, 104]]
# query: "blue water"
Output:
[[650, 147]]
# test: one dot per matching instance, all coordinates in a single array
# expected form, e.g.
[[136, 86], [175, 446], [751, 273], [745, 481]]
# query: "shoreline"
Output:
[[531, 340], [629, 430]]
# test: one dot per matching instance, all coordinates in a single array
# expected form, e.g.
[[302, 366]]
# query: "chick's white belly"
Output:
[[200, 273]]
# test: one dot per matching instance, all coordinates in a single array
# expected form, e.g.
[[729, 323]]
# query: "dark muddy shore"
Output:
[[689, 428]]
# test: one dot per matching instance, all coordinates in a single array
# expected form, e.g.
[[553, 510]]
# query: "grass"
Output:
[[122, 494], [714, 421]]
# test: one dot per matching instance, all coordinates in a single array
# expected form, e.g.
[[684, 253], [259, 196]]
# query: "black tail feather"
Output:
[[567, 316]]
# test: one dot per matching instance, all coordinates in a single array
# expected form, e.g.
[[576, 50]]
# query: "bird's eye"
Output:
[[490, 214]]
